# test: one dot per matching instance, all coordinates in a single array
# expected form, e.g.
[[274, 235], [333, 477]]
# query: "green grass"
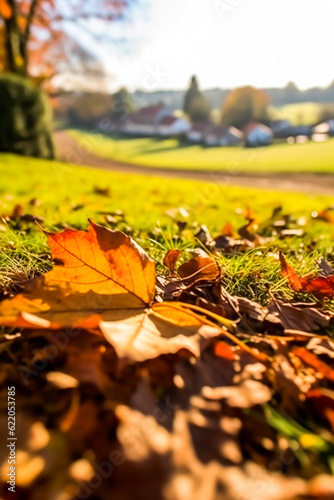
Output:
[[149, 208], [309, 157], [300, 113]]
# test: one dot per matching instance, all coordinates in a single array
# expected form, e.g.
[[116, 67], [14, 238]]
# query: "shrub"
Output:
[[25, 118]]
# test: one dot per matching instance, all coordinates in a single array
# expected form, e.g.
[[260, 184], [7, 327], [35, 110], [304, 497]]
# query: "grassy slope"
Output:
[[67, 196], [309, 157]]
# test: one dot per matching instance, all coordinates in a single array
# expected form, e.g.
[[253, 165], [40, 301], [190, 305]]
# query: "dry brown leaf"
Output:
[[18, 215], [102, 191], [321, 286], [17, 211], [321, 347], [323, 402], [248, 232], [233, 306], [301, 316], [325, 268], [311, 360], [228, 229], [171, 258], [199, 268], [326, 215], [162, 329]]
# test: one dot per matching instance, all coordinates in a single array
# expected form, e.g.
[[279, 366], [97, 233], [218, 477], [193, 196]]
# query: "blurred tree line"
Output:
[[84, 109], [241, 106]]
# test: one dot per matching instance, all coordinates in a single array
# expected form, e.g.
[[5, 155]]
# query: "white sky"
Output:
[[228, 43]]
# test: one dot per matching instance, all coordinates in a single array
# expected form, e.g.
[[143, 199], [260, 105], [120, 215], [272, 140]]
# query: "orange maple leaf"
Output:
[[95, 271]]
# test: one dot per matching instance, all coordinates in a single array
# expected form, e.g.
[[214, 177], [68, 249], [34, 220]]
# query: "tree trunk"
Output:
[[17, 56]]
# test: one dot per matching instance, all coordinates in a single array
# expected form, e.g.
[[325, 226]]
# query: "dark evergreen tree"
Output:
[[122, 104], [195, 104]]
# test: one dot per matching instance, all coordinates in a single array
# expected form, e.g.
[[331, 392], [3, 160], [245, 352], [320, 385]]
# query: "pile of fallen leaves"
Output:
[[133, 386]]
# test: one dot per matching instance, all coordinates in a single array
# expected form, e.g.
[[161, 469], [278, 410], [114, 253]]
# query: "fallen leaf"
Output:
[[102, 191], [320, 286], [204, 236], [248, 232], [311, 360], [162, 329], [234, 306], [199, 268], [17, 214], [326, 215], [299, 316], [229, 244], [103, 260], [321, 346], [323, 402], [171, 258], [249, 214], [96, 270], [325, 268], [297, 335], [223, 350], [35, 202], [17, 211], [228, 229]]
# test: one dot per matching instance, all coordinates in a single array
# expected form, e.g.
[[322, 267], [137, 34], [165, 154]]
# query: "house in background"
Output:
[[218, 135], [325, 128], [257, 134], [171, 126], [154, 121], [197, 132], [145, 121]]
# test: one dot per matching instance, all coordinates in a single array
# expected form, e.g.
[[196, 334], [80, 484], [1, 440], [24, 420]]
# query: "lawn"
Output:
[[300, 113], [159, 215], [309, 157]]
